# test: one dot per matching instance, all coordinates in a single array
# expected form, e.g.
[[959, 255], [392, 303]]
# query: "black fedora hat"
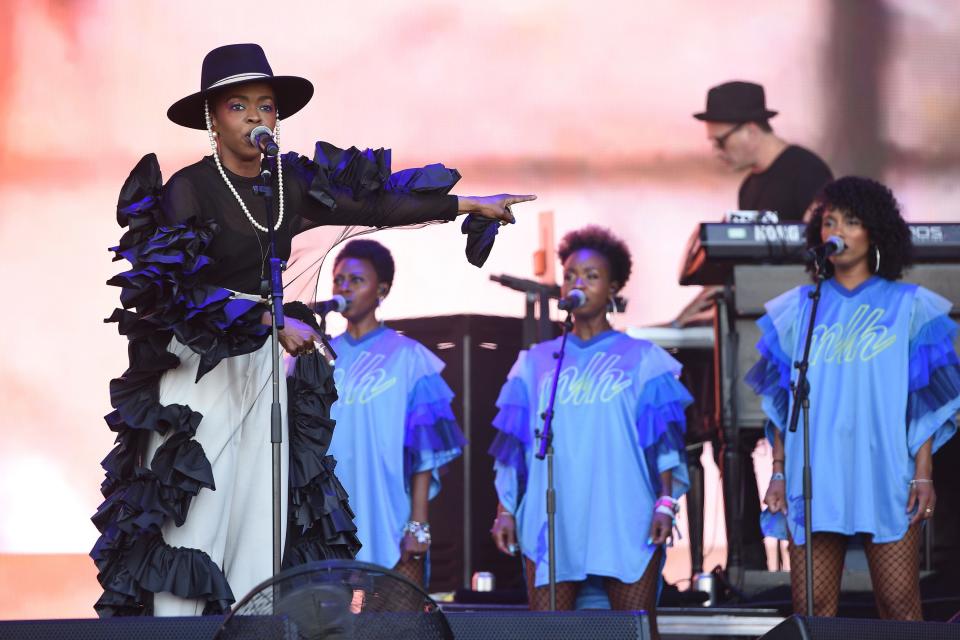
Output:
[[236, 64], [736, 101]]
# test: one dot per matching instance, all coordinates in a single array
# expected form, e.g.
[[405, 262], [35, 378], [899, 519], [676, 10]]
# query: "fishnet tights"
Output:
[[894, 572], [539, 597], [411, 569], [635, 596], [828, 552]]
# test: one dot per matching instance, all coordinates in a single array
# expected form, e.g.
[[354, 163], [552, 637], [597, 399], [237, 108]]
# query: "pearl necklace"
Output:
[[223, 174]]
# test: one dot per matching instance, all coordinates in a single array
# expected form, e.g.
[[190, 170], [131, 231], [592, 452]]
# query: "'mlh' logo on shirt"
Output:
[[364, 380], [862, 337], [600, 381]]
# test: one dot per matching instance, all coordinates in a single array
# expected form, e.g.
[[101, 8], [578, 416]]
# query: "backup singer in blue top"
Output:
[[618, 443], [395, 428], [884, 394]]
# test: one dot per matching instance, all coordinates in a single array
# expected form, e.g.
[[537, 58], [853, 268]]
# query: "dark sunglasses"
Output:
[[720, 141]]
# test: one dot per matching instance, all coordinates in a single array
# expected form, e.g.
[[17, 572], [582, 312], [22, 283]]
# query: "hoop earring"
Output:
[[380, 302], [876, 249], [611, 309]]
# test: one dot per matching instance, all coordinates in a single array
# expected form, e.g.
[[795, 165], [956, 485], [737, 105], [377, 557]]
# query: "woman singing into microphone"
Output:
[[395, 427], [618, 441], [185, 525], [884, 394]]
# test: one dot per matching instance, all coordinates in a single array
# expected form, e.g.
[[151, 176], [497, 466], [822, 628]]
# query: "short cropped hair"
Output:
[[374, 253], [602, 241]]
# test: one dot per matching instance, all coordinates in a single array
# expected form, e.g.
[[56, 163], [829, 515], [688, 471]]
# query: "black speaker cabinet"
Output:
[[557, 625], [478, 352], [804, 628], [147, 628], [481, 625]]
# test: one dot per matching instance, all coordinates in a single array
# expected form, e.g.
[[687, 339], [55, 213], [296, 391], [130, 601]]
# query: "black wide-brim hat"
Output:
[[736, 102], [236, 64]]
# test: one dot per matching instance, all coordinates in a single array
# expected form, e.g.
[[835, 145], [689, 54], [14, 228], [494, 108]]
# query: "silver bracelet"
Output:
[[777, 475], [921, 481], [419, 530]]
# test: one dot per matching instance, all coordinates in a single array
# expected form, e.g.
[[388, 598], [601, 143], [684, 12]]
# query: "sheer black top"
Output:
[[240, 251]]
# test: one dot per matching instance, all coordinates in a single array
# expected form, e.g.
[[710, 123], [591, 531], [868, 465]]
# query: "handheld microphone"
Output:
[[834, 244], [576, 299], [262, 138], [336, 303]]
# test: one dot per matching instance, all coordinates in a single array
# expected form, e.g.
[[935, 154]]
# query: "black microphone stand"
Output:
[[546, 451], [801, 399], [273, 288]]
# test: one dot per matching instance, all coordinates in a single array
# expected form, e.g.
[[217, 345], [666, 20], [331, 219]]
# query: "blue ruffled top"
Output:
[[884, 379], [619, 422], [393, 420]]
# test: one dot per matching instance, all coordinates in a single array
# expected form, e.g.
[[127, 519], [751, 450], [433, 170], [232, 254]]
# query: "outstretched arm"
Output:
[[391, 209]]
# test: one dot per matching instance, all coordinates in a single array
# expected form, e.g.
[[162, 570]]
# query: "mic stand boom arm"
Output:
[[535, 329]]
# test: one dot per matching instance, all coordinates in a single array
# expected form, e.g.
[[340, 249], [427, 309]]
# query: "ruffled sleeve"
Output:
[[934, 393], [161, 292], [514, 436], [661, 423], [770, 376], [354, 187], [432, 437]]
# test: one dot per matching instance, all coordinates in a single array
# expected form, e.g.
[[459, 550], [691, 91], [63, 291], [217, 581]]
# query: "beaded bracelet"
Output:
[[921, 481], [777, 475], [667, 506], [419, 530]]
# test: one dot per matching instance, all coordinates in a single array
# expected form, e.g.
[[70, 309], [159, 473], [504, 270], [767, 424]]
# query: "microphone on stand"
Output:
[[575, 299], [833, 245], [337, 303], [262, 138]]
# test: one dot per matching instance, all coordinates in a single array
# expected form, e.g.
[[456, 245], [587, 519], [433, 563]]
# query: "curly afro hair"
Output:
[[876, 208], [374, 253], [602, 241]]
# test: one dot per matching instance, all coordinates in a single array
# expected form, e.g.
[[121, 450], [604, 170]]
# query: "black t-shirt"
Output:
[[240, 251], [788, 186]]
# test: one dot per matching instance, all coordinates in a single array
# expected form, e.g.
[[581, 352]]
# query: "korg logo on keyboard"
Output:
[[926, 233], [777, 233]]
